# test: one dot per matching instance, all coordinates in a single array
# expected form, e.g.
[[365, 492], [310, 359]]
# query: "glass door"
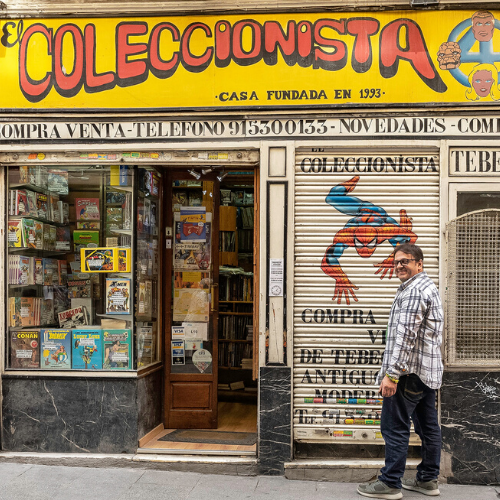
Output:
[[192, 265]]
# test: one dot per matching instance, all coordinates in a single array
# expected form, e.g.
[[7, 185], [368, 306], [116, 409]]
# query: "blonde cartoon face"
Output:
[[482, 82]]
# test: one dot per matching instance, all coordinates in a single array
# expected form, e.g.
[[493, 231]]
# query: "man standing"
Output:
[[412, 370]]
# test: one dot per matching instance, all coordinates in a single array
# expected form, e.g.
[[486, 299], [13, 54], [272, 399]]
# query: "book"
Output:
[[20, 202], [14, 233], [117, 349], [99, 260], [79, 289], [118, 296], [42, 205], [55, 349], [87, 351], [24, 349], [31, 198], [87, 208], [63, 238], [62, 268], [39, 235], [29, 237], [114, 217], [38, 270], [88, 307], [73, 318], [57, 181], [144, 345], [82, 237], [147, 215], [20, 270], [123, 260], [61, 299], [46, 313], [88, 224], [140, 215], [54, 213], [50, 272]]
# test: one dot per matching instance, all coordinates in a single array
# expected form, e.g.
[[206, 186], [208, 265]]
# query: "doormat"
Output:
[[211, 437]]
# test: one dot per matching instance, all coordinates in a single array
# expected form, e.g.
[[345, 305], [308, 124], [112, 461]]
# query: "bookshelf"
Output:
[[236, 282]]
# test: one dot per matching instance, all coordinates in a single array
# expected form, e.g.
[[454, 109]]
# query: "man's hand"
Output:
[[387, 388]]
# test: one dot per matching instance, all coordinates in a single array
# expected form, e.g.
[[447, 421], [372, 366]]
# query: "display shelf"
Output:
[[31, 252], [39, 219], [237, 341], [231, 313]]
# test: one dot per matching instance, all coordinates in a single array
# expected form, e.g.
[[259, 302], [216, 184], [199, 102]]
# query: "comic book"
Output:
[[38, 270], [117, 349], [63, 238], [85, 237], [61, 299], [57, 181], [14, 233], [39, 235], [144, 345], [54, 213], [46, 312], [55, 349], [87, 208], [73, 318], [87, 350], [118, 296], [62, 268], [50, 272], [79, 289], [88, 224], [31, 199], [42, 205], [24, 349], [29, 236]]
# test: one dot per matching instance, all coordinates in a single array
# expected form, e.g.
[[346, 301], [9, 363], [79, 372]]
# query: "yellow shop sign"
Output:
[[262, 61]]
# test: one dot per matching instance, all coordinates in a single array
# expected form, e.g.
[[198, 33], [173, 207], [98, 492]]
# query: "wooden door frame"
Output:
[[179, 171]]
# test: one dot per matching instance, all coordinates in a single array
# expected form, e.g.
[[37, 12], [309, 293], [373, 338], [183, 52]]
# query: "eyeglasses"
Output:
[[403, 262]]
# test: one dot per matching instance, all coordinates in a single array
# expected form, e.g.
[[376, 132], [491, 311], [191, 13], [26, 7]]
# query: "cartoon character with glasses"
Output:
[[370, 227]]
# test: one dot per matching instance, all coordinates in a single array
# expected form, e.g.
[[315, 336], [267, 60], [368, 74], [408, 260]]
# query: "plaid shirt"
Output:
[[415, 333]]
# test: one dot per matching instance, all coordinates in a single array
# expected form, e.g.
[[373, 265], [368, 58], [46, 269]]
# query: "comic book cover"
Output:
[[55, 349], [82, 237], [73, 318], [124, 260], [147, 215], [114, 218], [50, 272], [46, 312], [193, 224], [87, 208], [117, 349], [22, 270], [140, 215], [52, 237], [28, 311], [38, 270], [24, 349], [118, 296], [15, 312], [191, 279], [88, 224], [14, 233], [79, 289], [62, 268], [57, 181], [42, 205], [29, 236], [99, 260], [61, 299], [20, 203], [39, 235], [54, 213], [144, 345], [87, 350], [31, 199], [63, 238]]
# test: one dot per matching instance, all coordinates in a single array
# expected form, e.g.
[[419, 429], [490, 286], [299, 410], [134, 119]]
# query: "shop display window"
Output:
[[82, 273]]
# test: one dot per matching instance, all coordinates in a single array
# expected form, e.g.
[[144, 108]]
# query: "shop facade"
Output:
[[294, 125]]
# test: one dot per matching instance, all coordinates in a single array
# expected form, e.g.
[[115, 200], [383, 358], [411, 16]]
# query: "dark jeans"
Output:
[[412, 399]]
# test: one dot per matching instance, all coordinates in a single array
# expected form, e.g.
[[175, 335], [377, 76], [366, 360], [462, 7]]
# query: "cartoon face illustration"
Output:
[[482, 82], [449, 55], [483, 25]]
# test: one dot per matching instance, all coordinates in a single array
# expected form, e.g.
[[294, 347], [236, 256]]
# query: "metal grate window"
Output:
[[473, 290]]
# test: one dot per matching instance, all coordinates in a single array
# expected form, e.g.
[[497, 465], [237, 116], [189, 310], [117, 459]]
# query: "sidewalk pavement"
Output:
[[25, 482]]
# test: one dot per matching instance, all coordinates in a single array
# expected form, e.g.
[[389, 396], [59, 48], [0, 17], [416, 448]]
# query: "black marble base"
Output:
[[470, 407], [69, 415], [275, 413], [149, 398]]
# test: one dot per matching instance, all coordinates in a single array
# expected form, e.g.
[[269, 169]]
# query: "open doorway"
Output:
[[210, 402]]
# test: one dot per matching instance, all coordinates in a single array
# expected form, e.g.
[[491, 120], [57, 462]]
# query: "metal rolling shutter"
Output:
[[338, 348]]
